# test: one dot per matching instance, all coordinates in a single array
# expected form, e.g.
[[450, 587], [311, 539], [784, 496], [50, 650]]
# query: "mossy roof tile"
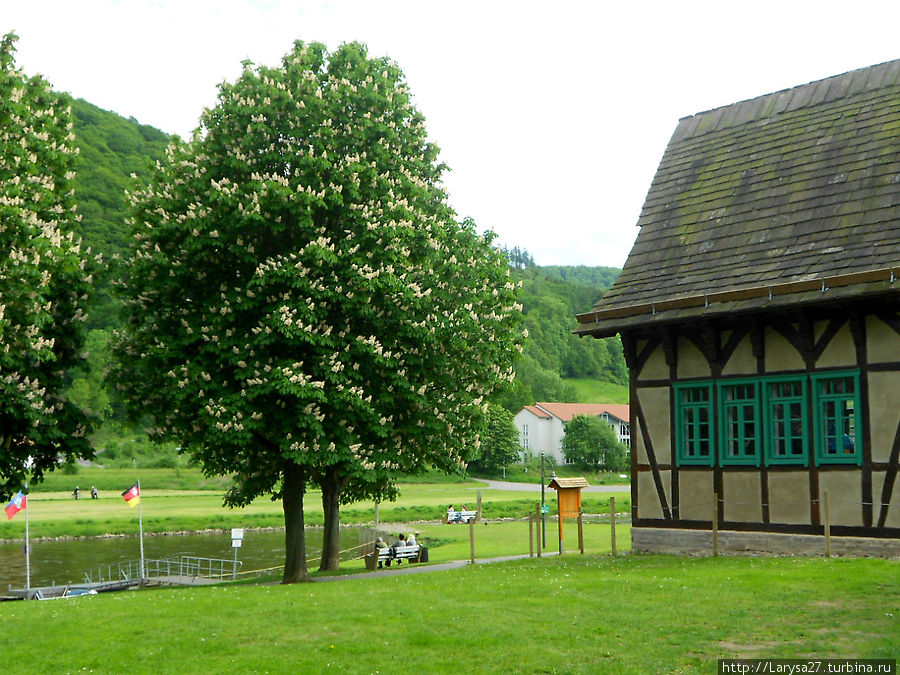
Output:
[[795, 185]]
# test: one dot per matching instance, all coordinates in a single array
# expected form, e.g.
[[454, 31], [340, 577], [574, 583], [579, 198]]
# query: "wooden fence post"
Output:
[[612, 523], [581, 532], [537, 517], [827, 526], [715, 524], [530, 535], [472, 540]]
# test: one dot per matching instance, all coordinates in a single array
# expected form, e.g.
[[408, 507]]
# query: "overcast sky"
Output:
[[551, 115]]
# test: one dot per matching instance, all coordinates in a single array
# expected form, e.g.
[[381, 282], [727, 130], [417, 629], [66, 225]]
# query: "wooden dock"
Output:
[[179, 571]]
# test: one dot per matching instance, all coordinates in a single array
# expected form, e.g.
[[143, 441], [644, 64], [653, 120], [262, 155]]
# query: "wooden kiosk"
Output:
[[568, 496]]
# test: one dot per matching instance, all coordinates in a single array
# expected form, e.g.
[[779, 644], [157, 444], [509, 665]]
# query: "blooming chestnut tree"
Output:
[[44, 278], [303, 306]]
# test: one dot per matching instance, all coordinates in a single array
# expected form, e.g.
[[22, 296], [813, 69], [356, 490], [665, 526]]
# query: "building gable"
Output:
[[759, 313], [789, 198]]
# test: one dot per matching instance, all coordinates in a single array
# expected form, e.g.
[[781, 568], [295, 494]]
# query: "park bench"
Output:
[[460, 516], [414, 553]]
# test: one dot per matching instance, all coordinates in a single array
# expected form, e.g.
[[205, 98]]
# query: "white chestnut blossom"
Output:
[[301, 252], [44, 277]]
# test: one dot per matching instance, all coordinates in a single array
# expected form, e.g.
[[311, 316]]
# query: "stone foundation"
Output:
[[666, 540]]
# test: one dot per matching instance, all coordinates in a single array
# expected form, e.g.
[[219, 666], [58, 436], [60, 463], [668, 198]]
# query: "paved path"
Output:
[[536, 487], [398, 570]]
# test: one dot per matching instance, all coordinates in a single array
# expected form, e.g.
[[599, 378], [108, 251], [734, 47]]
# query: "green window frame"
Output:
[[836, 406], [740, 423], [694, 432], [786, 420], [771, 420]]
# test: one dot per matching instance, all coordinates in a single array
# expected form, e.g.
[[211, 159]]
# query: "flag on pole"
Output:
[[132, 495], [18, 503]]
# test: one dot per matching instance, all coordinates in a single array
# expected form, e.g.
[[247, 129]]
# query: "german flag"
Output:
[[132, 495]]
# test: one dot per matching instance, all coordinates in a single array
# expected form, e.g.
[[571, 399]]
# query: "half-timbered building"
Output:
[[759, 311]]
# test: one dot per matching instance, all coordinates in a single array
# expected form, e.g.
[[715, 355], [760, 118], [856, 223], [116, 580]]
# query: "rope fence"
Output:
[[364, 546], [537, 522]]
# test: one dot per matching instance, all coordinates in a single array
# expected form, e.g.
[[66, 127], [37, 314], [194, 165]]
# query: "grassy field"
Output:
[[111, 480], [558, 614], [569, 614], [57, 514], [588, 390]]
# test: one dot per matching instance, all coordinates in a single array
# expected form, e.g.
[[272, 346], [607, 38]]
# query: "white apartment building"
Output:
[[542, 425]]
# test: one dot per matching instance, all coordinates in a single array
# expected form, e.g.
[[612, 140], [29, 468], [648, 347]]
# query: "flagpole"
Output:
[[27, 545], [141, 528]]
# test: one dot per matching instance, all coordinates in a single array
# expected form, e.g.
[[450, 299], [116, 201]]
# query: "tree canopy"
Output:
[[44, 278], [302, 304], [592, 443], [500, 445]]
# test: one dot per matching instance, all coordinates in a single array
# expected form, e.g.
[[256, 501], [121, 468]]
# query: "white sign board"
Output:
[[236, 543], [237, 533]]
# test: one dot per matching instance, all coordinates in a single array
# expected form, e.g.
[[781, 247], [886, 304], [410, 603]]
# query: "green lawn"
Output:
[[570, 614], [573, 613], [56, 514], [589, 390], [115, 481]]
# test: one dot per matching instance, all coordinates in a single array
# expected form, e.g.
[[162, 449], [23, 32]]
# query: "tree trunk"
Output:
[[294, 534], [332, 485]]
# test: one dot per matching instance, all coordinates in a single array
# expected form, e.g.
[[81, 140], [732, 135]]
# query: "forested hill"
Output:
[[111, 149], [589, 278], [553, 355]]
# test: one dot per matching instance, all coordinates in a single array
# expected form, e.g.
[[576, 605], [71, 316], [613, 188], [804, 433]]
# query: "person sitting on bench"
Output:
[[401, 541], [379, 544]]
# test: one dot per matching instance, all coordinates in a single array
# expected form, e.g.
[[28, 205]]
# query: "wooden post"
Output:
[[827, 526], [472, 541], [612, 523], [559, 518], [538, 519], [530, 535], [715, 525], [581, 532]]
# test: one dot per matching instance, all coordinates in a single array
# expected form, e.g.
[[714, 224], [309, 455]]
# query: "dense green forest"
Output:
[[551, 297], [113, 148]]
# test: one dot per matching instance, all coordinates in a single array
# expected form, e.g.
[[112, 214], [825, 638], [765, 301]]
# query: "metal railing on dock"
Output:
[[180, 569]]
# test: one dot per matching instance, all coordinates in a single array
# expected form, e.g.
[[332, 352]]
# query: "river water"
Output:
[[65, 561]]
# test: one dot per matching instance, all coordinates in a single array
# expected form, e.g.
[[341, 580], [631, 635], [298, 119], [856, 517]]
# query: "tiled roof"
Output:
[[537, 412], [770, 197], [566, 411]]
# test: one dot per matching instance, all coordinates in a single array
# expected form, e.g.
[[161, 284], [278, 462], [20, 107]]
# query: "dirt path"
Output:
[[536, 487]]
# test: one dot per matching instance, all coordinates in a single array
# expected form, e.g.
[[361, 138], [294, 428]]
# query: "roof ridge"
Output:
[[828, 89]]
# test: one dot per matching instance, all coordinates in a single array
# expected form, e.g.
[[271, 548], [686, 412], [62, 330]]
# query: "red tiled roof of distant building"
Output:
[[537, 412], [566, 411]]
